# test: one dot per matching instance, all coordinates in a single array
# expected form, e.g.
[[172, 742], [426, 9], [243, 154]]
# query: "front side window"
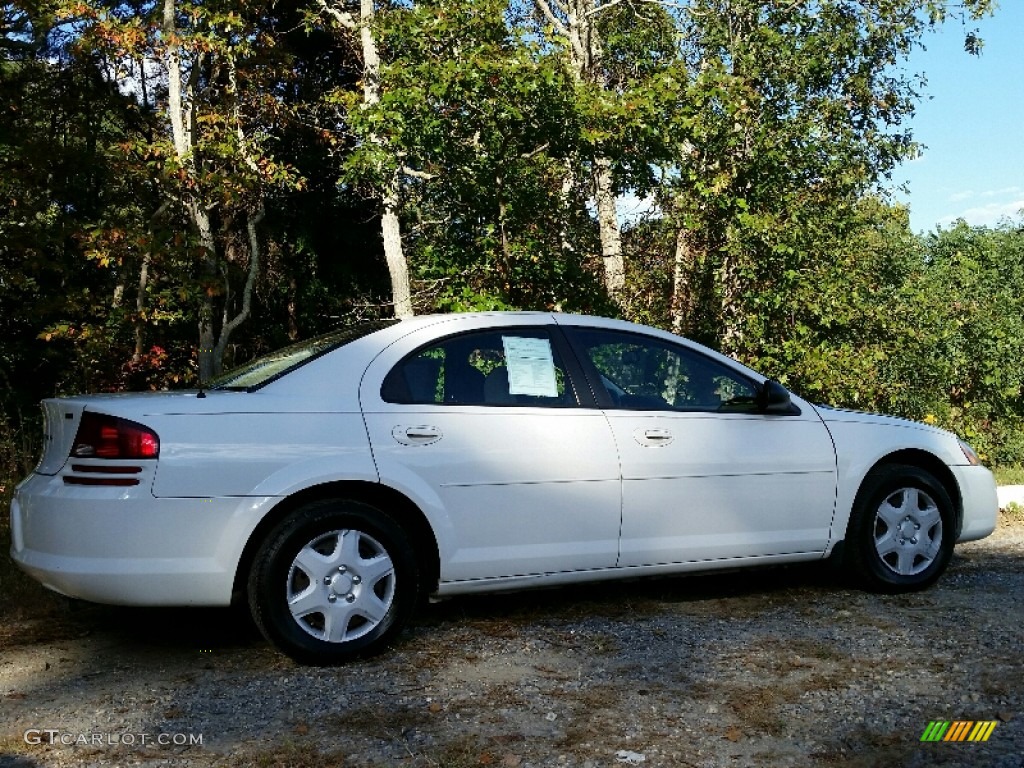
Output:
[[649, 374], [500, 367]]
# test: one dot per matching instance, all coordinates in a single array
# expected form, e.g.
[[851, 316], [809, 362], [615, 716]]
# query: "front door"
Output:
[[705, 475]]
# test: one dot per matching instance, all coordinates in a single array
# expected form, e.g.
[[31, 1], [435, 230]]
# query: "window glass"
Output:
[[501, 367], [265, 369], [648, 374]]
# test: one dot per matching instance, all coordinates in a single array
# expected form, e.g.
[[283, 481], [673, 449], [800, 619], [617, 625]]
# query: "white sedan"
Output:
[[335, 483]]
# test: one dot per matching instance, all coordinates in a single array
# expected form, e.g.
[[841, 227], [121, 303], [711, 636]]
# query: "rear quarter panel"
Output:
[[258, 453]]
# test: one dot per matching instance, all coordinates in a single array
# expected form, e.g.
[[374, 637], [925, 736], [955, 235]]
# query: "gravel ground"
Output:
[[759, 668]]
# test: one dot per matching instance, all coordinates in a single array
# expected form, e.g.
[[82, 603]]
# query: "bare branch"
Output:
[[534, 152], [545, 8], [597, 9], [180, 131], [662, 3], [243, 142], [250, 282], [344, 18], [406, 170]]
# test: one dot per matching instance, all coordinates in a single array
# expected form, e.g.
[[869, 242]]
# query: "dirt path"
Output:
[[774, 667]]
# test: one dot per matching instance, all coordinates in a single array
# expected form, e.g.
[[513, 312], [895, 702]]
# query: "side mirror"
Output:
[[774, 398]]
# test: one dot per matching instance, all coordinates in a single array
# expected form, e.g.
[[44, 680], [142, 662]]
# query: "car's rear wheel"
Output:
[[901, 531], [335, 579]]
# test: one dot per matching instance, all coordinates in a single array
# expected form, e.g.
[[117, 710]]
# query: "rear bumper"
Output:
[[122, 546], [980, 502]]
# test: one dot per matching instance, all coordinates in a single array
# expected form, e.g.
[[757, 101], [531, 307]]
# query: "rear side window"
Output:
[[265, 369], [501, 368]]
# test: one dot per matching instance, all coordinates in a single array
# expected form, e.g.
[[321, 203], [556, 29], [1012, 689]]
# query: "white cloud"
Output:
[[959, 197], [988, 215], [1004, 192]]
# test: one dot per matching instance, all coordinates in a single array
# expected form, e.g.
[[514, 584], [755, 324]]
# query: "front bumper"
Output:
[[980, 502]]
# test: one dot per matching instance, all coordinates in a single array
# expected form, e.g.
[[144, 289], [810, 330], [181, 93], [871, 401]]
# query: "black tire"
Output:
[[901, 532], [335, 580]]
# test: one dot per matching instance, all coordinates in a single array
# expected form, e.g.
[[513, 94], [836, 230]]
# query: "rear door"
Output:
[[488, 431]]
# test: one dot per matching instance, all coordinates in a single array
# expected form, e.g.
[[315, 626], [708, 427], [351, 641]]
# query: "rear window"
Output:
[[265, 369]]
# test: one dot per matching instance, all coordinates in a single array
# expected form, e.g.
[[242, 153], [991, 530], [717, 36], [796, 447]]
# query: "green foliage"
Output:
[[975, 288], [1009, 474], [482, 122], [1013, 511], [762, 131]]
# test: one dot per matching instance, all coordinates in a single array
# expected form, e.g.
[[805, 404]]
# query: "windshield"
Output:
[[265, 369]]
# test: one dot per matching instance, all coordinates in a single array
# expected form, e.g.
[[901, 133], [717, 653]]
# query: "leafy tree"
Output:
[[209, 72], [380, 162], [484, 122], [973, 297], [64, 172], [787, 115]]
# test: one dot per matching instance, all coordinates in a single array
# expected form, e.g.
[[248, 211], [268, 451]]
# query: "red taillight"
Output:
[[108, 437]]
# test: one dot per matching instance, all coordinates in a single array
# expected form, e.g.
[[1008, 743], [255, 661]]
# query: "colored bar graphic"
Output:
[[958, 730], [935, 731], [982, 731]]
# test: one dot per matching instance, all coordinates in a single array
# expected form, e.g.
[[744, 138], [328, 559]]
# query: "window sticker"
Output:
[[531, 366]]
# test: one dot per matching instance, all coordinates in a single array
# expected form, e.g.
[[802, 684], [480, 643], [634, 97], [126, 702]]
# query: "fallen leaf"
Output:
[[734, 734], [302, 729]]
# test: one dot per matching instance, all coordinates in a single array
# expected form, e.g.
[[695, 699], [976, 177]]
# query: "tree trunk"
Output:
[[608, 224], [181, 113], [566, 199], [182, 125], [731, 284], [140, 307], [293, 315], [398, 268], [586, 54], [682, 294], [390, 226], [228, 326], [208, 364]]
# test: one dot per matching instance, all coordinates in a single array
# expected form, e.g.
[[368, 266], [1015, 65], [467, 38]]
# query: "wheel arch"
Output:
[[931, 464], [397, 505]]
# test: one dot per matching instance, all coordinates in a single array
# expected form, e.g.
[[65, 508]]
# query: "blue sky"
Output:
[[973, 126]]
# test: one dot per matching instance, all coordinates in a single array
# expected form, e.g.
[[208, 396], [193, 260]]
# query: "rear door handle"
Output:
[[653, 436], [418, 435]]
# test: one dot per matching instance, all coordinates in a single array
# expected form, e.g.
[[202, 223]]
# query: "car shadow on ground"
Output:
[[207, 628], [631, 597], [165, 629], [188, 630]]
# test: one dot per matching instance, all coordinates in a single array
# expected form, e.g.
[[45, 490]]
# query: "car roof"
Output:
[[415, 323]]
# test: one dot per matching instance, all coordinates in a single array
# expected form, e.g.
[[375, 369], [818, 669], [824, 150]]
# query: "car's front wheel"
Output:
[[335, 579], [901, 531]]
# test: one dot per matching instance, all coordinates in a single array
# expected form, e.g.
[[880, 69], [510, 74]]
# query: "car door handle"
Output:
[[418, 435], [653, 436]]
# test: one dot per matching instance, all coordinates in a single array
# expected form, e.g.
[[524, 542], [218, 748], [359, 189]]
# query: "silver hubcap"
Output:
[[341, 585], [908, 531]]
